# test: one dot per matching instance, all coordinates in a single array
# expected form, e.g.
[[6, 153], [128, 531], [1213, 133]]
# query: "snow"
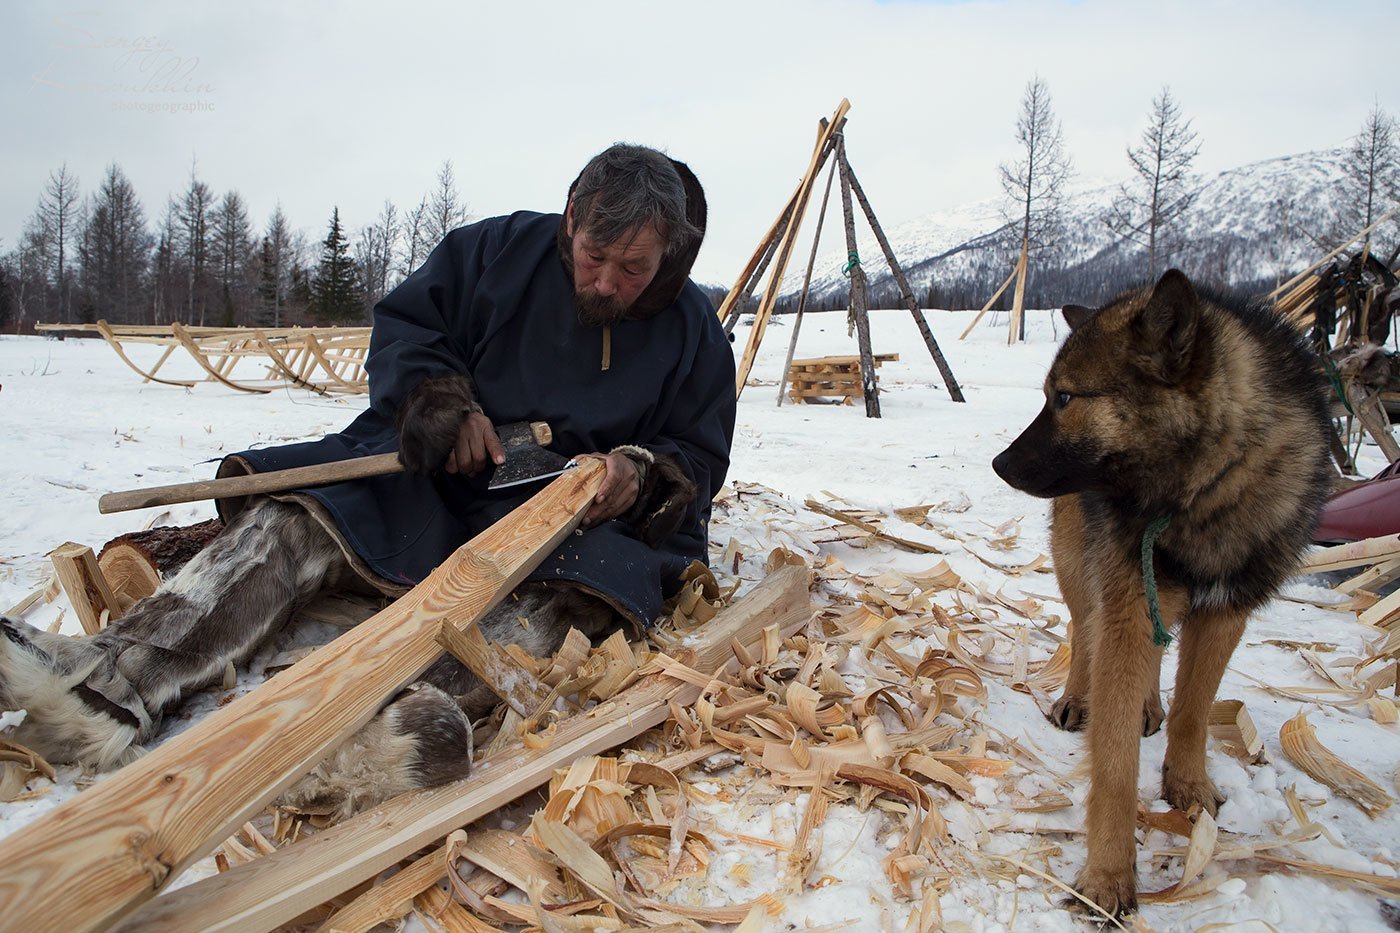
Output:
[[80, 423]]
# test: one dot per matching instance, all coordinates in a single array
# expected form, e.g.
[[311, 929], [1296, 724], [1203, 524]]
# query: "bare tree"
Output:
[[415, 236], [1372, 172], [446, 212], [57, 220], [115, 250], [1146, 209], [1034, 183], [375, 249], [192, 218]]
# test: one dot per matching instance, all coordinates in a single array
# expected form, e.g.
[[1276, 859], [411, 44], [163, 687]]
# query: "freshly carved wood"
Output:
[[502, 674], [1016, 329], [992, 300], [87, 589], [272, 890], [90, 861]]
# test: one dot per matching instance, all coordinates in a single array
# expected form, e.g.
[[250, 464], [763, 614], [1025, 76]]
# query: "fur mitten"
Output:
[[664, 494], [430, 418]]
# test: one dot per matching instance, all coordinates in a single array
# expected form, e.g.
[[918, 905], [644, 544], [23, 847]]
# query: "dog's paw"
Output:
[[1152, 714], [1115, 892], [1183, 793], [1070, 713]]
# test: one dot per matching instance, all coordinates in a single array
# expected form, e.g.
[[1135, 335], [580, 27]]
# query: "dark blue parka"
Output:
[[495, 301]]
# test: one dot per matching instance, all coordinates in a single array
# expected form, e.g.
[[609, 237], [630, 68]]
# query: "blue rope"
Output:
[[1160, 638]]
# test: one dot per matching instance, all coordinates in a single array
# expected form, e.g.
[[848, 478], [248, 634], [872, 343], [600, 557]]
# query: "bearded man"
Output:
[[586, 320]]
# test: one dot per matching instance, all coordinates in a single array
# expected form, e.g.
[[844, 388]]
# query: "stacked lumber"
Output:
[[824, 378], [323, 359]]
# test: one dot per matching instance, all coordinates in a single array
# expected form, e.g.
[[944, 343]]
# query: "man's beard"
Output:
[[596, 311]]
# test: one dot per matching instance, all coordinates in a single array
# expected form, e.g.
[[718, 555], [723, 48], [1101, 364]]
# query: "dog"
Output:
[[1186, 435]]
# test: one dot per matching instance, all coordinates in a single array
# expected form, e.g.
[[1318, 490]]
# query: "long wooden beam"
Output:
[[89, 862], [272, 890]]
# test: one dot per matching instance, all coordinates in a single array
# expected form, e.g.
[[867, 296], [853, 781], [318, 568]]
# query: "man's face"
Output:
[[609, 278]]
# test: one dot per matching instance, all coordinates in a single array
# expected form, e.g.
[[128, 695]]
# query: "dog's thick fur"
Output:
[[1167, 404]]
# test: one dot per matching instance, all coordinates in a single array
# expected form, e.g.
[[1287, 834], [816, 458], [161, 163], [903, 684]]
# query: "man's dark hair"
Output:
[[624, 188]]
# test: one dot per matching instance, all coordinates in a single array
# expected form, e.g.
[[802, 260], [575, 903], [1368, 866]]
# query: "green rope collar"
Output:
[[1160, 638], [852, 260]]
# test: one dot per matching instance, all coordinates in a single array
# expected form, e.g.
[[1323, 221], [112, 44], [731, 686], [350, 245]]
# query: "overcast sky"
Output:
[[318, 104]]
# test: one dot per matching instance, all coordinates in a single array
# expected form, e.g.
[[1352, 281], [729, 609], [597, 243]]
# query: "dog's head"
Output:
[[1121, 397]]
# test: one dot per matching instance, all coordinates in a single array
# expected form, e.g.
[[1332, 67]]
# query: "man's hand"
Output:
[[477, 446], [618, 492]]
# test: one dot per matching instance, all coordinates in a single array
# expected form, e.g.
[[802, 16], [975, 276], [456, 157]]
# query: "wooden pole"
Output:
[[806, 285], [91, 860], [87, 589], [992, 300], [736, 309], [276, 888], [1016, 329], [907, 293], [869, 382], [770, 295]]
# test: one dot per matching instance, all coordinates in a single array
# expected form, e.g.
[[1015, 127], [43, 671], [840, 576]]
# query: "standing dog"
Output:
[[1166, 406]]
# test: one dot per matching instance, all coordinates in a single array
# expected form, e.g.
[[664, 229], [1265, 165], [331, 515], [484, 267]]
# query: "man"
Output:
[[587, 321]]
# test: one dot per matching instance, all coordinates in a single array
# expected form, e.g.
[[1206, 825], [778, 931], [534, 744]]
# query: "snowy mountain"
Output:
[[1248, 226]]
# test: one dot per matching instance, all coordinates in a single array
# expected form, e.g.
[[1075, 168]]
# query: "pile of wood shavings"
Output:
[[873, 719]]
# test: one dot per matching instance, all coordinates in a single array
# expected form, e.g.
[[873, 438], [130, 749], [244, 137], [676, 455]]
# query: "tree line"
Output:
[[1144, 218], [85, 257]]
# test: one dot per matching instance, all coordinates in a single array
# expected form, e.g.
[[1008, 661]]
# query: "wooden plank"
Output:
[[770, 295], [1016, 327], [274, 889], [1379, 575], [87, 589], [390, 899], [94, 858], [1361, 553]]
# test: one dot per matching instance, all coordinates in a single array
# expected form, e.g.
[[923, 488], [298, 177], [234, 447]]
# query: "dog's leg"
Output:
[[1207, 642], [1072, 570], [1123, 664]]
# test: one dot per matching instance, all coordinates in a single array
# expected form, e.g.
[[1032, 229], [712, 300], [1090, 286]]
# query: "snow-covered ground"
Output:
[[78, 423]]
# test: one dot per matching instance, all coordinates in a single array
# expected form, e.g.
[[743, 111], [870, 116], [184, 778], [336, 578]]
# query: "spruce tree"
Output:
[[335, 291]]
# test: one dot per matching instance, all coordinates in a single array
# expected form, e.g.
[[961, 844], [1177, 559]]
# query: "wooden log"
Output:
[[134, 564], [992, 300], [869, 381], [87, 590], [88, 862], [272, 890], [806, 284], [789, 238], [907, 293]]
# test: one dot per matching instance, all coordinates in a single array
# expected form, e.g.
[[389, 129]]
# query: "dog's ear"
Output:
[[1076, 315], [1164, 331]]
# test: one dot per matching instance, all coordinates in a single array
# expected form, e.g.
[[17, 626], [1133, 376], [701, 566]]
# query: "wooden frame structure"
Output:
[[322, 359], [776, 249]]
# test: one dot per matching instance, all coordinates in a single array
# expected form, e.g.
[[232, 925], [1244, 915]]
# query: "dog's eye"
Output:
[[1062, 399]]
